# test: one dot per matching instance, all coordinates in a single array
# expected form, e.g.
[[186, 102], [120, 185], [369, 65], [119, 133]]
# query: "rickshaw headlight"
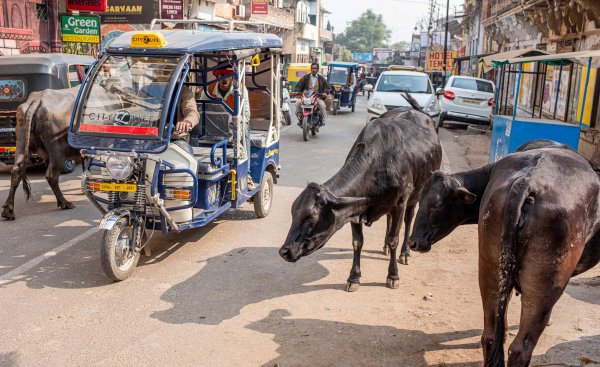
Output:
[[120, 168]]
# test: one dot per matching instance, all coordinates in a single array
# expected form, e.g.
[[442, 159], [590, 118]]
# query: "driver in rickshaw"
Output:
[[314, 81]]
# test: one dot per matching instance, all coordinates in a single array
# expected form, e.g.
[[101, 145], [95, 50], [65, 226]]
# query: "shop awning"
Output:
[[491, 61], [581, 57]]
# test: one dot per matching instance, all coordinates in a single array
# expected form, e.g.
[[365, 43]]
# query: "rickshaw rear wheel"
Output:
[[116, 255], [68, 166], [305, 128], [263, 199]]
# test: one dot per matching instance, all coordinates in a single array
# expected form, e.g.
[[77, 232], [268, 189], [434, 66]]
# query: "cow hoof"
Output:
[[352, 287], [8, 214], [65, 205], [386, 251], [392, 283], [403, 259]]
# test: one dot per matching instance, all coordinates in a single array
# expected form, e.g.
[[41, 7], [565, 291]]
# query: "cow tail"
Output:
[[513, 220], [28, 127]]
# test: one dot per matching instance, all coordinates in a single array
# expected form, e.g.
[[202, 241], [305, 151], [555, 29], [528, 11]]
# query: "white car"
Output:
[[387, 94], [467, 99]]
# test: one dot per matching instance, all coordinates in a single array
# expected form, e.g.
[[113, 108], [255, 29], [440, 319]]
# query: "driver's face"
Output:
[[314, 69], [225, 83]]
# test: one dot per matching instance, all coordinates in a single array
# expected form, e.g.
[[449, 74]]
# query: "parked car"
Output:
[[467, 99], [22, 74], [387, 94]]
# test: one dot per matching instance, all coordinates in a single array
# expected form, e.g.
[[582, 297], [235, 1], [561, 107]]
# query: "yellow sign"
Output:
[[148, 40], [435, 60], [101, 186], [80, 38]]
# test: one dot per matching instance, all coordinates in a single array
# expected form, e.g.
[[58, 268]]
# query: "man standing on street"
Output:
[[314, 81]]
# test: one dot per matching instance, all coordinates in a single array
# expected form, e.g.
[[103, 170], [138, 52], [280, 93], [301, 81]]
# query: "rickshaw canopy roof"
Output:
[[344, 64], [40, 63], [581, 57], [194, 41]]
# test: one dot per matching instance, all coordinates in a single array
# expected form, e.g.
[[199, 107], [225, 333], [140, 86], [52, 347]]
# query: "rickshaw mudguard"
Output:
[[111, 218]]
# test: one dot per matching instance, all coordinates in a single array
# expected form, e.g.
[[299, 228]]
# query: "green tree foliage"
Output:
[[342, 54], [364, 33]]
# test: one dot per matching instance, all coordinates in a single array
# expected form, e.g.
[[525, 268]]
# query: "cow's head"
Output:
[[316, 215], [444, 204]]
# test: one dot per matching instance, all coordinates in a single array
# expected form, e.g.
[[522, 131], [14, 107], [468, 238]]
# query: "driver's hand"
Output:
[[183, 126]]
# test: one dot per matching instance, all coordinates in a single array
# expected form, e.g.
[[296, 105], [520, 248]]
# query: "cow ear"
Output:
[[345, 202], [465, 195]]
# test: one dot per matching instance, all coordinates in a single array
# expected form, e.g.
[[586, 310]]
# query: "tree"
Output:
[[342, 54], [401, 46], [364, 33]]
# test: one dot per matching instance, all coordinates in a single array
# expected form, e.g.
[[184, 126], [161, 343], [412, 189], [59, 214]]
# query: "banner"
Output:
[[260, 7], [435, 60], [362, 57], [98, 6], [123, 12], [383, 55], [85, 29]]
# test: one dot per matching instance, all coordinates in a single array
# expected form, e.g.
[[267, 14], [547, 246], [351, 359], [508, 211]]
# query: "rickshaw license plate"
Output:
[[101, 186]]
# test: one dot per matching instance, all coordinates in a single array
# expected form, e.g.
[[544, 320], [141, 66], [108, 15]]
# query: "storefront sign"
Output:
[[383, 55], [97, 6], [260, 7], [84, 29], [171, 9], [362, 57], [124, 12], [435, 60]]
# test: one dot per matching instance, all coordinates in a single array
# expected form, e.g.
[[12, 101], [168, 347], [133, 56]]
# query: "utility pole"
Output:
[[445, 67]]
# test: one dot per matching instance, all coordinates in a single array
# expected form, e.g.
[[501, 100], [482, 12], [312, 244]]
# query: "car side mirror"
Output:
[[439, 92], [368, 87]]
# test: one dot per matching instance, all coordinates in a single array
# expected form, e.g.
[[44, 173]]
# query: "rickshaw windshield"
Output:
[[338, 75], [128, 95]]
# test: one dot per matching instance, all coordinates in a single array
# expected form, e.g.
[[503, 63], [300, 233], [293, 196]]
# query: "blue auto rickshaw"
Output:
[[135, 175], [343, 78]]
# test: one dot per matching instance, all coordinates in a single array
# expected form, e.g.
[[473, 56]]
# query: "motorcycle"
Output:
[[309, 116]]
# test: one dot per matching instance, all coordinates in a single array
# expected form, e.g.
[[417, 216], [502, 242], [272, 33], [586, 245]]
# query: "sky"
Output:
[[399, 15]]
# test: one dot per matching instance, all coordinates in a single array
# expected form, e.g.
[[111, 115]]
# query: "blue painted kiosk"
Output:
[[515, 124]]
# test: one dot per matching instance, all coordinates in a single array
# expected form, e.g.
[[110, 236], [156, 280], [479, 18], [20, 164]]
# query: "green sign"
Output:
[[85, 29]]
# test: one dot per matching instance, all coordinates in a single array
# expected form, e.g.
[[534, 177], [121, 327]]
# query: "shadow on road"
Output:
[[241, 277], [309, 342], [585, 289], [8, 359], [582, 352]]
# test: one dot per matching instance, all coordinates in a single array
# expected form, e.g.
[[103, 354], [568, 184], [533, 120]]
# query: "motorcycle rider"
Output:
[[316, 82]]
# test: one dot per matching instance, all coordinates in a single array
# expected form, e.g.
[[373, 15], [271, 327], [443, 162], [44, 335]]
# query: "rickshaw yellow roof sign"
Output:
[[148, 39]]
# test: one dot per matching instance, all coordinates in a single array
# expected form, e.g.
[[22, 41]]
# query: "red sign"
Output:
[[129, 130], [260, 7], [98, 6]]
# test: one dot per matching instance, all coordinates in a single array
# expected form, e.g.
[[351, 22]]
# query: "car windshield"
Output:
[[127, 95], [338, 75], [473, 84], [402, 83]]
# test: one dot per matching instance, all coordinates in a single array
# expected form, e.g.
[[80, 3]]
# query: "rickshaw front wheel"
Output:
[[117, 256], [263, 199]]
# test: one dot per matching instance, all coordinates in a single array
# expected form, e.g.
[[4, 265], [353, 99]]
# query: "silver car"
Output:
[[467, 99]]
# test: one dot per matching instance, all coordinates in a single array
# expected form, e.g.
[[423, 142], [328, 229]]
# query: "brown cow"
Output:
[[42, 127]]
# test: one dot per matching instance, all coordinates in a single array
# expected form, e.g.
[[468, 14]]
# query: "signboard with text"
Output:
[[98, 6], [435, 60], [383, 55], [260, 7], [171, 9], [124, 12], [85, 29], [362, 57]]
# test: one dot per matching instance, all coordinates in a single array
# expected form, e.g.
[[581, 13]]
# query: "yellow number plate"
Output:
[[113, 187]]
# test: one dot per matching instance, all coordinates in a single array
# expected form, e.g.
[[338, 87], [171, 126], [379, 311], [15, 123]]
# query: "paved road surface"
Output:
[[221, 296]]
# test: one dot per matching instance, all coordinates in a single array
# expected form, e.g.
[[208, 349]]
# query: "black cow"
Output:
[[42, 126], [538, 214], [383, 174]]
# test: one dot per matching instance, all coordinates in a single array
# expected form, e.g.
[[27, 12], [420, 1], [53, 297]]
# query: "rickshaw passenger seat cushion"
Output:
[[218, 123], [258, 139], [259, 101]]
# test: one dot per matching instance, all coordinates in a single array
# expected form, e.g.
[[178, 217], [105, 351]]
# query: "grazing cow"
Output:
[[383, 174], [538, 226], [42, 126]]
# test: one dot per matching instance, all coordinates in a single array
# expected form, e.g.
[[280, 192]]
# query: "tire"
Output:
[[353, 104], [287, 118], [369, 95], [336, 106], [313, 131], [440, 123], [113, 243], [263, 199], [305, 128], [68, 167]]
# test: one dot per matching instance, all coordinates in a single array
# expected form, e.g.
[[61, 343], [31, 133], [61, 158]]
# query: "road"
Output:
[[221, 295]]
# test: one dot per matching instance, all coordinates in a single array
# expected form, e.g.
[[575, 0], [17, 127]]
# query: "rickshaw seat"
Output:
[[218, 123], [202, 156], [259, 132], [260, 101]]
